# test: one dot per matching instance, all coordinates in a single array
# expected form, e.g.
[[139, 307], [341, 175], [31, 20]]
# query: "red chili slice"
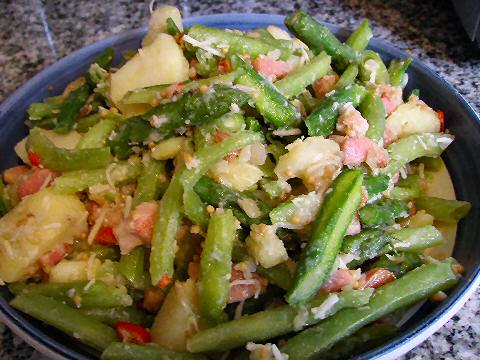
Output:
[[164, 282], [106, 236], [441, 116], [34, 158], [132, 333]]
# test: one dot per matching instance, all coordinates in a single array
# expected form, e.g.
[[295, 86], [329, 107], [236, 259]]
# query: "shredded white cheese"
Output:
[[193, 163], [89, 285], [203, 45], [239, 310], [322, 311], [108, 172], [90, 266], [128, 207], [250, 207], [46, 182], [96, 227], [287, 132], [157, 121]]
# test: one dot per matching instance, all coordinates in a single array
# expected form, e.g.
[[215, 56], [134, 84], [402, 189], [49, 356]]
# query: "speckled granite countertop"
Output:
[[36, 33]]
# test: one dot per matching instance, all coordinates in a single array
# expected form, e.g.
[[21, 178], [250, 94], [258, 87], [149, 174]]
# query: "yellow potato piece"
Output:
[[161, 62], [158, 22], [178, 318], [34, 227]]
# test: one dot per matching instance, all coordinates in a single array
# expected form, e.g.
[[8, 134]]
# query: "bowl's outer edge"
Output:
[[391, 350]]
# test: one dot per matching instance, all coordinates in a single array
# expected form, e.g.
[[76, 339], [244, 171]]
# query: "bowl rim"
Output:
[[391, 350]]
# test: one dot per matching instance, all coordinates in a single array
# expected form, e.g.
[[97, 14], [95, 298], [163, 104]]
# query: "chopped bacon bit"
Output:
[[34, 158], [357, 150], [441, 117], [389, 137], [339, 279], [355, 227], [53, 257], [34, 181], [106, 236], [12, 175], [375, 278], [242, 291], [143, 219], [132, 333], [391, 97], [164, 282], [220, 136], [271, 68], [152, 300], [224, 66], [324, 85]]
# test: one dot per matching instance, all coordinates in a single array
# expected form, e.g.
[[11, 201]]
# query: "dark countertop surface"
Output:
[[36, 33]]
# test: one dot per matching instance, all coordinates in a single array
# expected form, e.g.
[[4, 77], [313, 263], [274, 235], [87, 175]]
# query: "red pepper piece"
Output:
[[132, 333]]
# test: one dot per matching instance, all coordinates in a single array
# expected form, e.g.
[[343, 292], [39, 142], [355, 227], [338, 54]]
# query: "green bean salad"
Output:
[[230, 195]]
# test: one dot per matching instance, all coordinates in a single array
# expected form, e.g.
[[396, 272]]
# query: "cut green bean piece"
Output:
[[376, 184], [181, 188], [405, 193], [365, 246], [414, 146], [97, 135], [322, 121], [122, 351], [319, 38], [216, 266], [416, 285], [447, 211], [372, 68], [78, 294], [397, 70], [296, 212], [235, 43], [71, 107], [72, 322], [328, 231], [274, 322], [297, 81], [102, 252], [348, 77], [38, 111], [118, 173], [360, 38], [280, 275], [416, 239], [373, 111], [151, 183], [399, 264], [59, 159], [132, 266], [383, 212], [172, 28], [269, 101], [111, 316]]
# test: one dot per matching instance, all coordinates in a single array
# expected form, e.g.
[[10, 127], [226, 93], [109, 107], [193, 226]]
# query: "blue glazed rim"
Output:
[[398, 346]]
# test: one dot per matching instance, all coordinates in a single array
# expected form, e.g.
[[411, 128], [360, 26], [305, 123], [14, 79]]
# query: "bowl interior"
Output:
[[461, 159]]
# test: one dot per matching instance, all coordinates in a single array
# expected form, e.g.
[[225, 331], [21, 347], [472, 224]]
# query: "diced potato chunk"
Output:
[[158, 22], [265, 246], [236, 174], [161, 62], [413, 117], [74, 270], [315, 160], [178, 317], [38, 224]]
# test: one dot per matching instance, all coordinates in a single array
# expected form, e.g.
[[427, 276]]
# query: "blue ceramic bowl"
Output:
[[461, 158]]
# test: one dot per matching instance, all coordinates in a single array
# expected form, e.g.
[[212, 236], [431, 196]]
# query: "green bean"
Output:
[[85, 123], [119, 173], [102, 252], [207, 64], [253, 124], [72, 322], [397, 69], [97, 135], [194, 208], [172, 28], [274, 322], [415, 239], [132, 267], [360, 38], [321, 122], [416, 285], [362, 341], [239, 44], [131, 132], [400, 264], [430, 163], [104, 60], [215, 266], [348, 77], [383, 212], [151, 94], [280, 275], [373, 110], [38, 111], [328, 231], [269, 101], [71, 107], [122, 351], [48, 123], [299, 206], [405, 193], [365, 246], [111, 316], [297, 81], [308, 101], [372, 68], [447, 211], [64, 160], [414, 146], [262, 34], [151, 183], [167, 221], [222, 196], [319, 38], [376, 184], [78, 294]]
